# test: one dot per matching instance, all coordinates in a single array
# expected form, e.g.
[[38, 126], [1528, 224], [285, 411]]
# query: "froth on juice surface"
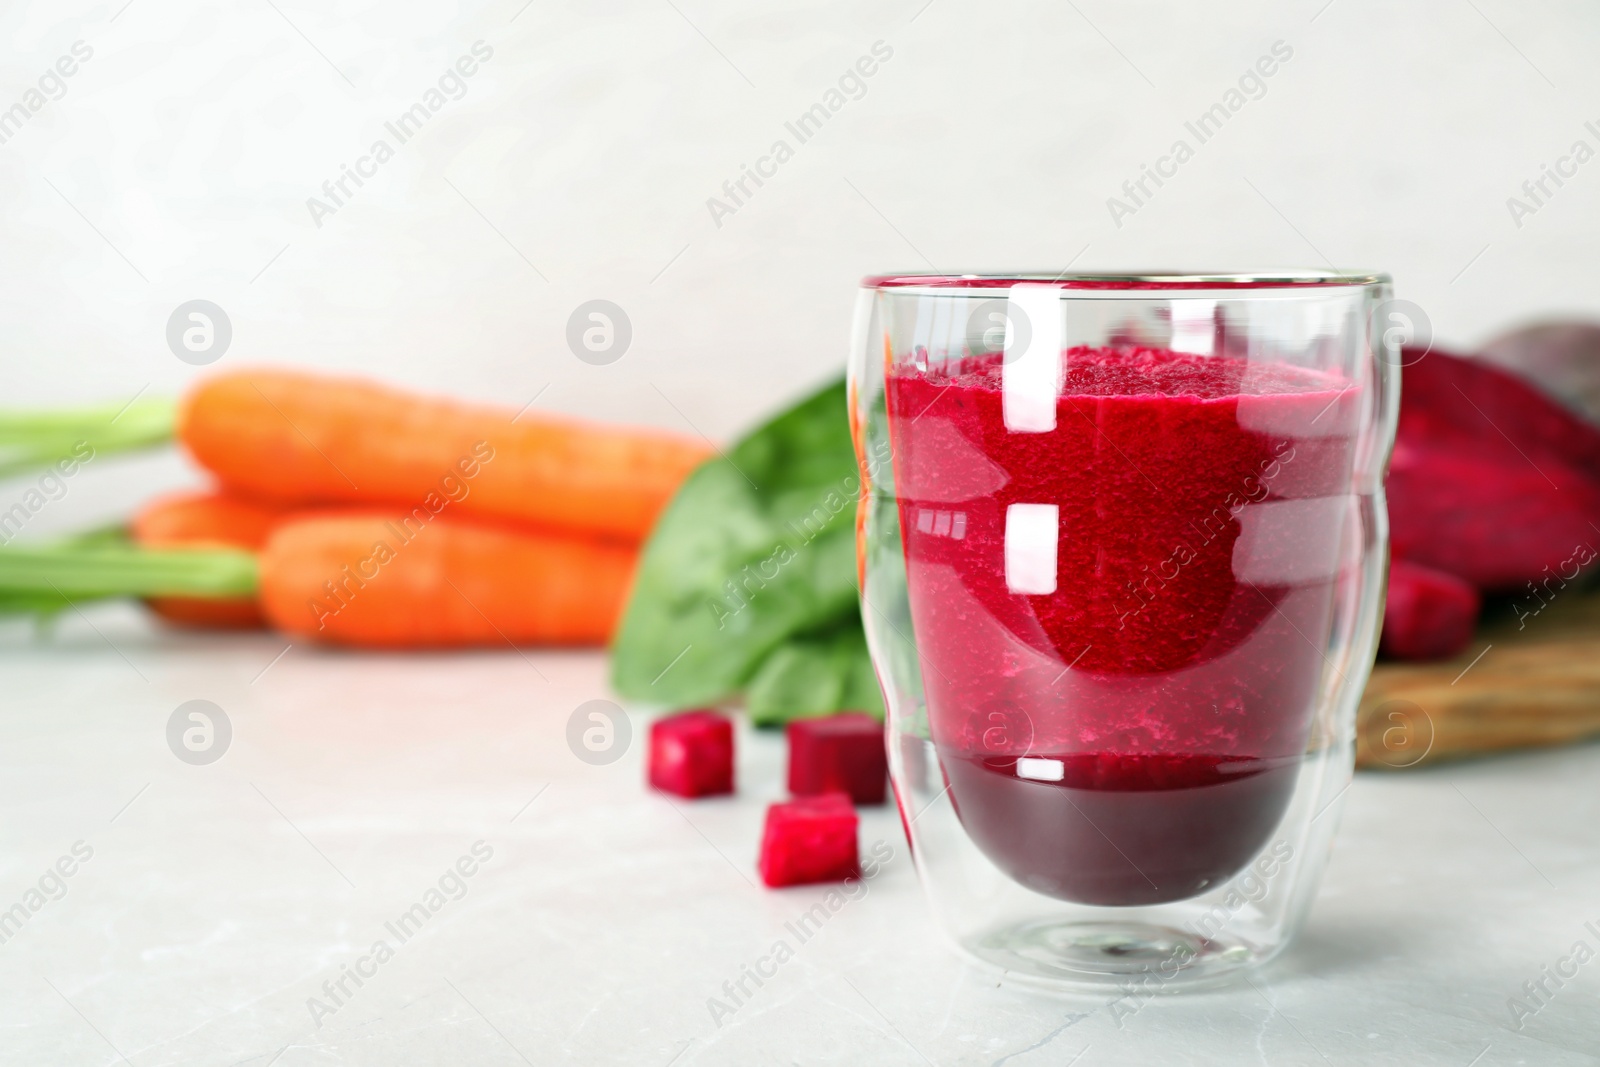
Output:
[[1122, 617]]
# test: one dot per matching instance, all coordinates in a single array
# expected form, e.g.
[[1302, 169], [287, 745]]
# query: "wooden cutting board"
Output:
[[1522, 683]]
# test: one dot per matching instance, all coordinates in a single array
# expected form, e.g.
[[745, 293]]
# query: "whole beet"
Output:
[[1562, 357]]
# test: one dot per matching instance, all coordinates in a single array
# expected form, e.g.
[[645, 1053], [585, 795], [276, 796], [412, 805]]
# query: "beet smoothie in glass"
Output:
[[1116, 611]]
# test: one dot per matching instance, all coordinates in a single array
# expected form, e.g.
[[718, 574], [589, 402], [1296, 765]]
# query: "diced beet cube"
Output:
[[838, 753], [691, 754], [812, 839], [1429, 614]]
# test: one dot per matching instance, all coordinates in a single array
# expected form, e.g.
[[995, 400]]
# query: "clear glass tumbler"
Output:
[[1123, 542]]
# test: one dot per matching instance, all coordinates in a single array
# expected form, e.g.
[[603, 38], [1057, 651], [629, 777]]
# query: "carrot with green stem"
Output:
[[206, 519], [300, 439], [362, 579]]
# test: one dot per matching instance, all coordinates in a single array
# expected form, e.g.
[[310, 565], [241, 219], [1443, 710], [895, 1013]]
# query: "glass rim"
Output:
[[1121, 280]]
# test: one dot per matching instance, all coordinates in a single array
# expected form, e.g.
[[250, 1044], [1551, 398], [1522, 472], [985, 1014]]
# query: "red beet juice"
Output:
[[1122, 612]]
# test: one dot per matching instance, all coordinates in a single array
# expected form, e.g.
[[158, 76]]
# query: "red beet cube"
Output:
[[691, 754], [812, 839], [1429, 614], [839, 753]]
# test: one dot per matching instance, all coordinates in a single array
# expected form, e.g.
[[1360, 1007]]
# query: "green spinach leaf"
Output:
[[815, 675], [756, 548]]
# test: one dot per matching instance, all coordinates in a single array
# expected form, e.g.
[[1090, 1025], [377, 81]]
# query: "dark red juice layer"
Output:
[[1199, 506], [1122, 830]]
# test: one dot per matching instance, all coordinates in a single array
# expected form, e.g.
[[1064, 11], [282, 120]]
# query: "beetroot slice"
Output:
[[1496, 523], [1493, 413], [838, 753], [811, 839], [1475, 447], [1429, 614], [691, 754]]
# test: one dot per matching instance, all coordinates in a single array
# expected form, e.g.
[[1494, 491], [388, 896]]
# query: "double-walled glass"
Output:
[[1123, 543]]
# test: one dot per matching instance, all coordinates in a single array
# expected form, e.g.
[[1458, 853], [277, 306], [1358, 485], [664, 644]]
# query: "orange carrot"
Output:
[[299, 439], [206, 519], [368, 579]]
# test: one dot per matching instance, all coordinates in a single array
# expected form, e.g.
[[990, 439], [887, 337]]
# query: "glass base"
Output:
[[1067, 954]]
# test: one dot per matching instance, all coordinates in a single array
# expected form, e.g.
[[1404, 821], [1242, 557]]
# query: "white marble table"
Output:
[[220, 898]]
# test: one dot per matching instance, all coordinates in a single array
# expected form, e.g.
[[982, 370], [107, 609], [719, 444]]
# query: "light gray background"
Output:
[[177, 167]]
